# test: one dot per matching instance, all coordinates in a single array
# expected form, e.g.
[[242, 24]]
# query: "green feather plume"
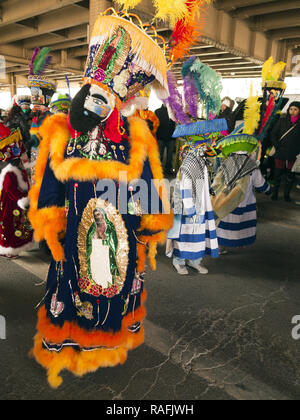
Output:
[[41, 61]]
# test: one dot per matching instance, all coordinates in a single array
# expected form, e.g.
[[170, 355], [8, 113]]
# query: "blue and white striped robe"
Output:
[[239, 227], [198, 236]]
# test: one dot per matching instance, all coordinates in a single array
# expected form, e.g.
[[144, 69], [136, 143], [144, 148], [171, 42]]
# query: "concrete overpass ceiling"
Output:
[[279, 20], [61, 25], [233, 36]]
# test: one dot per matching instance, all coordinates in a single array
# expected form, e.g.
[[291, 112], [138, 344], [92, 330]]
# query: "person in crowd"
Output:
[[164, 136], [3, 115], [18, 117], [42, 90], [234, 186], [16, 234], [60, 103], [226, 113], [286, 140], [193, 235], [238, 229]]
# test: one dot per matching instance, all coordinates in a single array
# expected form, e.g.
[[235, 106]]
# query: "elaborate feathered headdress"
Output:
[[39, 63], [271, 73], [126, 55], [207, 82], [201, 85]]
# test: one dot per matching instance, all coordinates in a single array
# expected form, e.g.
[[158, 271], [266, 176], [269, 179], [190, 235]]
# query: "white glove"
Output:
[[24, 203]]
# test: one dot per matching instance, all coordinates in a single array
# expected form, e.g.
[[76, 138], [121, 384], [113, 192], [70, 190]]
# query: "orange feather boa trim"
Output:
[[80, 363]]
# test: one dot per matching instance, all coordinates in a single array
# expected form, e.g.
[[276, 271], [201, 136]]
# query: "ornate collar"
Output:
[[143, 145]]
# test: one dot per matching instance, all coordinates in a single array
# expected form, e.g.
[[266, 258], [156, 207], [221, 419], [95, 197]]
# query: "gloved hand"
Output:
[[24, 203]]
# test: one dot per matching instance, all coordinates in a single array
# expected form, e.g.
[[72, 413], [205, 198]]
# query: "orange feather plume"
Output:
[[188, 30]]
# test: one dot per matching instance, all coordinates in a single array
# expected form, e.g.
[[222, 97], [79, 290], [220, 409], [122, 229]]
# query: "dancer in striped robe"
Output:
[[238, 229], [194, 232]]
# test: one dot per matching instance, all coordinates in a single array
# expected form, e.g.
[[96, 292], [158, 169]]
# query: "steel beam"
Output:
[[228, 5], [12, 12], [264, 9], [79, 52], [281, 34], [276, 21], [53, 38], [70, 16], [70, 44]]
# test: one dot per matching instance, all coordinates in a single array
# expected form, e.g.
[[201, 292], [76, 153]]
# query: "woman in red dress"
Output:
[[16, 234]]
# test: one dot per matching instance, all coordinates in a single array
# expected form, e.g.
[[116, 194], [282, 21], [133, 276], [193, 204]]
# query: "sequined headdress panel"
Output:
[[124, 58]]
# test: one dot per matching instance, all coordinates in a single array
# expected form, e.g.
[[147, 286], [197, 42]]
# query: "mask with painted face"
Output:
[[99, 102]]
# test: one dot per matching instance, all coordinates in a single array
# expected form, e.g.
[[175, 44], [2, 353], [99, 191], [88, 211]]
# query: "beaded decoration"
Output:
[[124, 58]]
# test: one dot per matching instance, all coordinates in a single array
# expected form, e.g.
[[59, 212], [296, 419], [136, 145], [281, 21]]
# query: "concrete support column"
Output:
[[282, 51], [13, 85], [97, 7]]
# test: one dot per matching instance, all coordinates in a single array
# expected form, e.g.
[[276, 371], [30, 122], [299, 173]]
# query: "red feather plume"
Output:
[[268, 113]]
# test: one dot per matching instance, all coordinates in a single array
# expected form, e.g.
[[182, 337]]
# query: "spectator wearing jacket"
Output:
[[164, 136], [227, 114], [285, 138]]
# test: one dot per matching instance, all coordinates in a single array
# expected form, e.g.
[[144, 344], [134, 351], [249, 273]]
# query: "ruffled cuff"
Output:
[[153, 231], [49, 223]]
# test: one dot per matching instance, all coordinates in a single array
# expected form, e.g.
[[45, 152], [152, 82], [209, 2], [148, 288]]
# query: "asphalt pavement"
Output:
[[224, 336]]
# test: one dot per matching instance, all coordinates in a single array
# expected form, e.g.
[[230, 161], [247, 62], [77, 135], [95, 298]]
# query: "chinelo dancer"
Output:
[[19, 116], [94, 305], [193, 235], [60, 103], [42, 89], [16, 235], [236, 181]]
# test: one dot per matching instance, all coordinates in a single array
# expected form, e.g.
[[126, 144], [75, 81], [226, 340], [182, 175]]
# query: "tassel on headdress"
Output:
[[39, 62], [167, 11], [31, 65], [267, 68], [201, 84]]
